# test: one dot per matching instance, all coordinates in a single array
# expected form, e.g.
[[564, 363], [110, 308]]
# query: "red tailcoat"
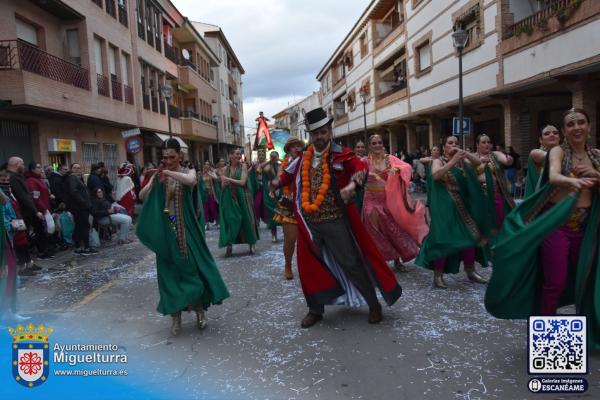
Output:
[[318, 284]]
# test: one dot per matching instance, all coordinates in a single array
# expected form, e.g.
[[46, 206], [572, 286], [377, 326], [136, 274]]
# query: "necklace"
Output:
[[307, 206], [580, 159]]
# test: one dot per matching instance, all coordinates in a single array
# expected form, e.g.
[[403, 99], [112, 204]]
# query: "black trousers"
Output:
[[337, 238], [40, 233], [81, 233]]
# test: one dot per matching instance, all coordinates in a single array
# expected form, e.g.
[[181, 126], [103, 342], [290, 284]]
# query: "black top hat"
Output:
[[316, 119]]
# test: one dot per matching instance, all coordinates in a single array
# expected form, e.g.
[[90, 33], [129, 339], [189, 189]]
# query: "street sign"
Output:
[[133, 145], [131, 132], [456, 125]]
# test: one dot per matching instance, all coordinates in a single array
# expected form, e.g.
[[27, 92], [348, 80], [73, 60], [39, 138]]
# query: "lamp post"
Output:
[[167, 92], [365, 98], [459, 39]]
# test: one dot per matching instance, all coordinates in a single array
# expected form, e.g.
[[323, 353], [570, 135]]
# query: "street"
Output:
[[438, 344]]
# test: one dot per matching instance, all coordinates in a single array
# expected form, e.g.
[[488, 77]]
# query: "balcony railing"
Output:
[[111, 8], [102, 82], [171, 53], [190, 114], [123, 15], [526, 25], [17, 54], [174, 111], [154, 102], [146, 101], [128, 94], [117, 90]]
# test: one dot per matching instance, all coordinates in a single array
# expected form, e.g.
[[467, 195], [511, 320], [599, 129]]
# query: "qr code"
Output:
[[557, 345]]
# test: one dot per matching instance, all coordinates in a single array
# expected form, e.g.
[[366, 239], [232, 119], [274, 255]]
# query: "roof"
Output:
[[211, 30]]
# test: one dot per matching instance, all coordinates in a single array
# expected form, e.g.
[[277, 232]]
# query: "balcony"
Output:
[[117, 90], [146, 101], [19, 55], [102, 82], [123, 15], [174, 111], [194, 129], [190, 114], [190, 79], [128, 94], [555, 16], [171, 53], [154, 103], [163, 109]]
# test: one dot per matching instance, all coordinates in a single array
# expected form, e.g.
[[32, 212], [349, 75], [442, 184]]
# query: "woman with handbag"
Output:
[[41, 198], [20, 241]]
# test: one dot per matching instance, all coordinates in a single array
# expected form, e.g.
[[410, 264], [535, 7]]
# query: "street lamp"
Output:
[[365, 98], [167, 92], [459, 39]]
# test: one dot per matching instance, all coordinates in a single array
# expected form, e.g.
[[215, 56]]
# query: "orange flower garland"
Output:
[[307, 206]]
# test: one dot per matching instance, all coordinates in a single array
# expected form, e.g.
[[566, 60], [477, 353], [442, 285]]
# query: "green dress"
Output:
[[494, 173], [236, 214], [532, 178], [458, 220], [186, 271], [270, 204], [514, 290]]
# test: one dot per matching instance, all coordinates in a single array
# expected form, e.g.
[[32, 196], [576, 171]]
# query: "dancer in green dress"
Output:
[[549, 138], [546, 255], [236, 214], [459, 223], [188, 278]]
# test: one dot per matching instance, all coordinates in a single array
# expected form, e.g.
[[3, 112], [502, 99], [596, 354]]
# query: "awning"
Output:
[[164, 138]]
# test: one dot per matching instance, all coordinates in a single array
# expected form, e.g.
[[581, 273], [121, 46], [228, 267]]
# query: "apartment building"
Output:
[[292, 117], [525, 62], [228, 78], [80, 81]]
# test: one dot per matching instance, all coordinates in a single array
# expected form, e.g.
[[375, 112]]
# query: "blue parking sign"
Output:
[[456, 126]]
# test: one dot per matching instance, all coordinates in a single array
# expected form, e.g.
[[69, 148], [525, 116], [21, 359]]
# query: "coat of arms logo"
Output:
[[30, 355]]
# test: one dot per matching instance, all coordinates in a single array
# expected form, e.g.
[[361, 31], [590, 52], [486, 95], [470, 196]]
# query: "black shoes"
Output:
[[375, 314], [310, 319]]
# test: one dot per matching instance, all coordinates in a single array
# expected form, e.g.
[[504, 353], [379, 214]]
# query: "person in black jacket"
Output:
[[78, 203], [106, 213], [32, 216], [57, 187]]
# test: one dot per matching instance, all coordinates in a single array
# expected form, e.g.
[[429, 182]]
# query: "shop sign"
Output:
[[133, 145], [62, 145], [131, 132]]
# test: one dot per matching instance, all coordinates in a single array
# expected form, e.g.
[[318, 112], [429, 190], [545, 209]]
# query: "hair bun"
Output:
[[172, 143]]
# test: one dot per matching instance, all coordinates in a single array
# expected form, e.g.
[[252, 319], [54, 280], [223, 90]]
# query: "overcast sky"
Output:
[[282, 44]]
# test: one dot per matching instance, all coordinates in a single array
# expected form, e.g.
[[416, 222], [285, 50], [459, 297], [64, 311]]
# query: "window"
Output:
[[112, 62], [423, 55], [125, 68], [98, 56], [349, 59], [222, 88], [140, 19], [91, 155], [415, 3], [391, 75], [339, 106], [392, 20], [27, 32], [469, 19], [364, 49], [110, 158], [73, 46], [351, 100]]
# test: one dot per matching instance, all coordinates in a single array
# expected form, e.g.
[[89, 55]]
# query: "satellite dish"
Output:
[[186, 54]]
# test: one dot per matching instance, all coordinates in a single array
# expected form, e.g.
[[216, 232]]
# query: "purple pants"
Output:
[[259, 206], [499, 202], [559, 250], [211, 210], [467, 256]]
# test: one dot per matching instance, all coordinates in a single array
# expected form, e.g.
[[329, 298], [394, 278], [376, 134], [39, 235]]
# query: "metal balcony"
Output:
[[20, 55]]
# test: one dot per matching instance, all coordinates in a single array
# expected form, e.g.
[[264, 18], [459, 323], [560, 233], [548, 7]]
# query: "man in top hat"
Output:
[[338, 262]]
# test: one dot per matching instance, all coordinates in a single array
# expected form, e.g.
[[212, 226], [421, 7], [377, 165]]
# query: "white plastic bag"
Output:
[[50, 227], [94, 238]]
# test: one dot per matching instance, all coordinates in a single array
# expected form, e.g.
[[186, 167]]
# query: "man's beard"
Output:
[[320, 144]]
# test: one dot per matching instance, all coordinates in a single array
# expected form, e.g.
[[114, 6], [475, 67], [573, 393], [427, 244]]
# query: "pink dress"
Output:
[[392, 241]]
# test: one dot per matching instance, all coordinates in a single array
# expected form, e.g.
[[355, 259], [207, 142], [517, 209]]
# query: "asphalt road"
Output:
[[432, 344]]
